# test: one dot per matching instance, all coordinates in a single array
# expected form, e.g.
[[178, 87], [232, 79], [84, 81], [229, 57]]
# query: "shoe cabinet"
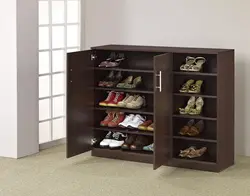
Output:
[[159, 68]]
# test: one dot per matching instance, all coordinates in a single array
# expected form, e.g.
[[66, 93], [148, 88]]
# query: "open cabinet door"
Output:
[[80, 80], [163, 108]]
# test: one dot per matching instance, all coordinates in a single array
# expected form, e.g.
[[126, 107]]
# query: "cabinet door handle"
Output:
[[159, 75]]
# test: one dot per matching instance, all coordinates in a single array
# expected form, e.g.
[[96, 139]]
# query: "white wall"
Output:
[[196, 23]]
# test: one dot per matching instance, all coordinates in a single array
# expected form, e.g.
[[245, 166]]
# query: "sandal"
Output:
[[190, 105], [196, 88], [108, 79], [117, 61], [196, 153], [184, 153], [196, 129], [185, 87], [116, 79], [199, 61], [128, 80], [108, 60], [189, 61], [184, 130], [199, 104], [136, 82]]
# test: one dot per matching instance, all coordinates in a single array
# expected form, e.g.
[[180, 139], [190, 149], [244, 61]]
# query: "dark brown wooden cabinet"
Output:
[[162, 78]]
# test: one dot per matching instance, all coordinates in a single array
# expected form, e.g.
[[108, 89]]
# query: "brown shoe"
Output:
[[140, 142], [128, 142]]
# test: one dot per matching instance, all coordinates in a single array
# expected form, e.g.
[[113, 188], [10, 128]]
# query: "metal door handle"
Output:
[[159, 75]]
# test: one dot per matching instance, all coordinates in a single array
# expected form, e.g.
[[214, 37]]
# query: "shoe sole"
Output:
[[112, 105], [102, 104], [114, 148]]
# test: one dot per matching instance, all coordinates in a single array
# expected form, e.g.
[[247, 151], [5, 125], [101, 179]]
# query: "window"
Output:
[[59, 33]]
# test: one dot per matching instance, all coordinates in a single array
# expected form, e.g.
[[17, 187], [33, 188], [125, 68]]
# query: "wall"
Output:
[[214, 23]]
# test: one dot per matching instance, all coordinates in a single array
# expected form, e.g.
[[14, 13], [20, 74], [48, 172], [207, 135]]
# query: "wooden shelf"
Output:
[[195, 139], [193, 117], [125, 130], [125, 70], [140, 156], [194, 73], [196, 95], [139, 91], [147, 111], [205, 159]]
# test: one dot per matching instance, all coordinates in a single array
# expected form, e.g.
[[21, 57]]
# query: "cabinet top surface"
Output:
[[160, 49]]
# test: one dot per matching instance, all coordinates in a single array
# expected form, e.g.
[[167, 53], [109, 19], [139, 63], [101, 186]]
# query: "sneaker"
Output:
[[125, 101], [108, 119], [107, 140], [136, 122], [118, 97], [128, 142], [127, 120], [119, 117], [110, 97], [149, 147], [117, 140], [137, 102]]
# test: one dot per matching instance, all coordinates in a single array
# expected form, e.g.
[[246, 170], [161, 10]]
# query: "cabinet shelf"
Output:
[[194, 139], [194, 73], [125, 70], [139, 91], [124, 130], [196, 95], [194, 117], [146, 111]]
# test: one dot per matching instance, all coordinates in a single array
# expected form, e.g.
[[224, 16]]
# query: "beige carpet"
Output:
[[50, 174]]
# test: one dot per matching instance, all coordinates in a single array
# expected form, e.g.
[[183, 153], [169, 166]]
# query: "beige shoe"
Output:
[[125, 101], [137, 102]]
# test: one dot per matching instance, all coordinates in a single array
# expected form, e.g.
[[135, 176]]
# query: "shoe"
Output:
[[119, 117], [150, 127], [145, 125], [127, 120], [196, 88], [107, 140], [199, 105], [109, 78], [117, 61], [184, 130], [194, 153], [118, 97], [136, 121], [185, 87], [184, 153], [128, 142], [140, 142], [115, 80], [110, 97], [190, 105], [197, 66], [125, 101], [110, 116], [127, 81], [137, 102], [150, 147], [196, 129], [136, 82], [117, 140], [189, 62], [109, 59]]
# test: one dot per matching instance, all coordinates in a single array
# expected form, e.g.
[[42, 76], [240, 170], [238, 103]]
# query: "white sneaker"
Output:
[[117, 140], [107, 140], [127, 120], [136, 103], [125, 101], [137, 120]]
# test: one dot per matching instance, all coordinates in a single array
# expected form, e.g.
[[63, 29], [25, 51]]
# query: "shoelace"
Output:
[[116, 97], [108, 135], [117, 135]]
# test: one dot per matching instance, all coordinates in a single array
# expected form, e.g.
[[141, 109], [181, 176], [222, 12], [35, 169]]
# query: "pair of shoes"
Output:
[[193, 64], [132, 121], [113, 140], [147, 126], [112, 119], [130, 82], [192, 152], [191, 109], [111, 80], [134, 142], [113, 60], [149, 147], [112, 99], [191, 87], [132, 102], [192, 129]]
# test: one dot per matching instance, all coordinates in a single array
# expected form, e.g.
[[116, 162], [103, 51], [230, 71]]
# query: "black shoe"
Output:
[[107, 80]]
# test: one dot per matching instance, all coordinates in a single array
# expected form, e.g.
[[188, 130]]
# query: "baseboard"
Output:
[[52, 144]]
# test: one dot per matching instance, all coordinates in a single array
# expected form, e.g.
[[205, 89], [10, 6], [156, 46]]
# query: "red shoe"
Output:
[[119, 117], [108, 119], [114, 102], [110, 97]]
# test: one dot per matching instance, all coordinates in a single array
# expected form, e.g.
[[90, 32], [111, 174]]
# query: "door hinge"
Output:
[[93, 57]]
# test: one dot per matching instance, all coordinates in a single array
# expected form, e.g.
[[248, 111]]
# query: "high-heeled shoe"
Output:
[[185, 87], [127, 81], [195, 88], [196, 129], [190, 105], [189, 62], [119, 58], [197, 66], [107, 80], [199, 105], [108, 60], [184, 130], [136, 82], [115, 80]]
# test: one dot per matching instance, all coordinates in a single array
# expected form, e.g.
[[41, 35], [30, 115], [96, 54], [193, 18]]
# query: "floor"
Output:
[[49, 173]]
